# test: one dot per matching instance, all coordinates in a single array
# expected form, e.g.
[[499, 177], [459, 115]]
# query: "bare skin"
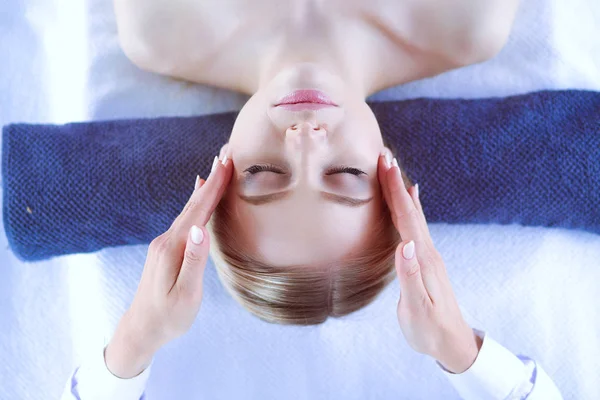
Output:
[[347, 49], [377, 44], [267, 49]]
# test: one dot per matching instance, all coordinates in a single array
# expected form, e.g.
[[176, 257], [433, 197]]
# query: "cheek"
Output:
[[247, 139], [251, 119], [252, 135], [362, 132], [372, 146]]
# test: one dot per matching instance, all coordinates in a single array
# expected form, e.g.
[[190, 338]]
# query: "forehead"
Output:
[[295, 231]]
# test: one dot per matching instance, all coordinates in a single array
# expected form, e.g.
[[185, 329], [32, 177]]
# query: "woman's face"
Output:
[[305, 188]]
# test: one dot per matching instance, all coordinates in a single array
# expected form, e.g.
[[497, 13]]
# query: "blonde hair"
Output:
[[299, 294]]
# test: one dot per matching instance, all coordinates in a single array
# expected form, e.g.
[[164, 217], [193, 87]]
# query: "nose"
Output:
[[305, 143], [305, 131]]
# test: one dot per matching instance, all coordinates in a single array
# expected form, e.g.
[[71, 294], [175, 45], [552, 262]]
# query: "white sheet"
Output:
[[533, 289]]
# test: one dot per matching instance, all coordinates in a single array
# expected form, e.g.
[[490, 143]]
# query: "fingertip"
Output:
[[214, 166], [382, 170], [228, 169], [408, 250], [405, 256], [385, 159], [199, 182], [221, 169], [393, 174], [196, 235], [407, 265], [194, 262]]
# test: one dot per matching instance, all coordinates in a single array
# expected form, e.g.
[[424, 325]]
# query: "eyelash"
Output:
[[255, 169], [345, 170]]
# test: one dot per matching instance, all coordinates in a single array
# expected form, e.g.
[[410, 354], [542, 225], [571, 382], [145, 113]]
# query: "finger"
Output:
[[228, 168], [414, 194], [163, 262], [406, 216], [203, 201], [197, 185], [191, 274], [408, 270], [383, 166], [199, 182]]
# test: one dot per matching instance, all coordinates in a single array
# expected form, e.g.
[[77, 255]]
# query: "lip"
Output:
[[306, 99]]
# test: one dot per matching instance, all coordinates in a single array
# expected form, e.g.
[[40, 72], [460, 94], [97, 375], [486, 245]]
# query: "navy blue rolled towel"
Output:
[[532, 159]]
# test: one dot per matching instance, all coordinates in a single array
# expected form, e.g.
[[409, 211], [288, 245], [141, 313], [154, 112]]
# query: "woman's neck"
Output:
[[312, 38]]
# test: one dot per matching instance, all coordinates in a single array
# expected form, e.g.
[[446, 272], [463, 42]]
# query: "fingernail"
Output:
[[417, 190], [197, 184], [196, 234], [408, 251], [224, 159], [386, 158], [214, 166], [395, 162]]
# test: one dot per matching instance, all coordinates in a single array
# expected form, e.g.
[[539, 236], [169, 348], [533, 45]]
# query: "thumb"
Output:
[[191, 273], [409, 274]]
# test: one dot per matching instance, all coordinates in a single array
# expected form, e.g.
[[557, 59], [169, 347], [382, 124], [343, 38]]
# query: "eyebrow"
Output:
[[332, 197]]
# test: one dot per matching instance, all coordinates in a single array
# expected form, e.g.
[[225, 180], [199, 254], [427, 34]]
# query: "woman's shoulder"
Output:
[[180, 38]]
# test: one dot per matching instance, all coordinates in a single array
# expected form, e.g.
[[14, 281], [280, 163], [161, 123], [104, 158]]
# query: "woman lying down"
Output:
[[310, 214]]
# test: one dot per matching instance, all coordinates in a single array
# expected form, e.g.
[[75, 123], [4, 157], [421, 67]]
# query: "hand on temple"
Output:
[[170, 290], [428, 312], [169, 294]]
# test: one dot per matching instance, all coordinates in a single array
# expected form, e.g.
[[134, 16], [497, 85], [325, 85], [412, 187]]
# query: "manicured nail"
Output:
[[417, 190], [386, 158], [395, 162], [196, 234], [408, 251], [197, 184], [214, 166], [224, 159]]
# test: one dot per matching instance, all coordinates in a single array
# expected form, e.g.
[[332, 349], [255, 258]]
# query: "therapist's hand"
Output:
[[170, 291], [428, 312]]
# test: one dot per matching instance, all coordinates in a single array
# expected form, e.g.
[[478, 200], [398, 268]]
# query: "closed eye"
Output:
[[345, 170], [255, 169]]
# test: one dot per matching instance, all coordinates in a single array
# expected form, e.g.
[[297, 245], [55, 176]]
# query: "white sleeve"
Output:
[[94, 381], [499, 374]]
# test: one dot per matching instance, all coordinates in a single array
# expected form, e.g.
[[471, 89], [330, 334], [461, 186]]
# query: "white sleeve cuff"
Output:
[[94, 381], [495, 373]]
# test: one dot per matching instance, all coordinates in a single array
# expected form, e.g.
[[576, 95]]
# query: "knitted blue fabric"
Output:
[[532, 159]]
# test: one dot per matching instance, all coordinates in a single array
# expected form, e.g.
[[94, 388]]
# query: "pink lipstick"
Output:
[[306, 99]]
